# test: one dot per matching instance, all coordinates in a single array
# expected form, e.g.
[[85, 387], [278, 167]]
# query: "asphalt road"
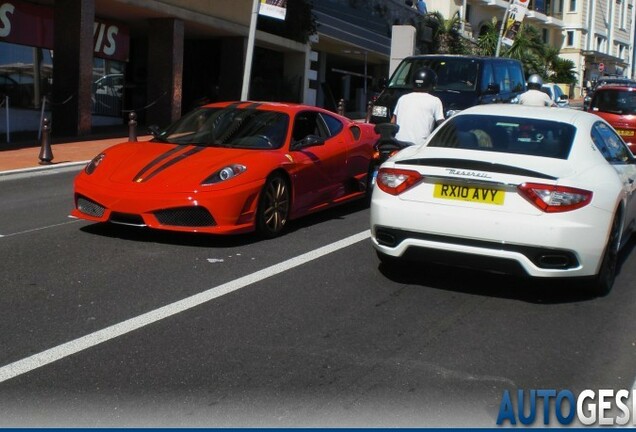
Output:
[[108, 326]]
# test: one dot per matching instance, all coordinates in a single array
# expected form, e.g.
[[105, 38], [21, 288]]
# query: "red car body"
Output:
[[247, 166], [616, 104]]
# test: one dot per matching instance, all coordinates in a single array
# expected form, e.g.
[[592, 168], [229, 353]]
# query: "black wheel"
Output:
[[602, 283], [370, 183], [388, 261], [273, 207]]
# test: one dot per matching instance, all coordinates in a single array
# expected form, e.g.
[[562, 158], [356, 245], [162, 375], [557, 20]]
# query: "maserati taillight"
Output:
[[553, 198], [395, 181]]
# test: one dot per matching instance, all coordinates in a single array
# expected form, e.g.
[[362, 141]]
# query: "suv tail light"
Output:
[[553, 198], [395, 181]]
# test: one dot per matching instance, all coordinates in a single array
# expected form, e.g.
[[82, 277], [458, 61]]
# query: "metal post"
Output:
[[6, 105], [247, 71], [46, 153], [366, 98], [42, 116], [341, 109], [501, 32], [132, 126]]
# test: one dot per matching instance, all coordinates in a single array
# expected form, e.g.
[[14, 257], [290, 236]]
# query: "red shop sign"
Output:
[[32, 25]]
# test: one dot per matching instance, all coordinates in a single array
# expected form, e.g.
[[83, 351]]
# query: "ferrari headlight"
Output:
[[224, 174], [380, 111], [92, 165]]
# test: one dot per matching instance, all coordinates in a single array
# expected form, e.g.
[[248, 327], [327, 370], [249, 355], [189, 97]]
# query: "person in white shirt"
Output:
[[418, 113], [534, 96]]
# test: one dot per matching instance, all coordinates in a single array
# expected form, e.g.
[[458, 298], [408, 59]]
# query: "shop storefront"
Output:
[[27, 61]]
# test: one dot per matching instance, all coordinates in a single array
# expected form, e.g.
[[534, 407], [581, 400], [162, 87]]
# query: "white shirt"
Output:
[[535, 98], [417, 113]]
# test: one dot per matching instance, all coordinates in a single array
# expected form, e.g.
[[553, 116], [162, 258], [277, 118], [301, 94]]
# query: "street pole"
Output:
[[247, 71], [501, 32]]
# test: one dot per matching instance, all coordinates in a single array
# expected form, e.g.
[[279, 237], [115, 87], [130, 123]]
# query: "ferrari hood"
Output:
[[168, 165]]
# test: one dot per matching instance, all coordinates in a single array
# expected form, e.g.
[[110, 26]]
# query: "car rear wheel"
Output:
[[602, 283], [389, 261], [273, 207]]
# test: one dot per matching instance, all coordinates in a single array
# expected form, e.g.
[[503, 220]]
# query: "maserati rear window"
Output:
[[507, 135]]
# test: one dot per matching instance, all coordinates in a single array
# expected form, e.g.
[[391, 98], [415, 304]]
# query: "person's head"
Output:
[[424, 79], [535, 82]]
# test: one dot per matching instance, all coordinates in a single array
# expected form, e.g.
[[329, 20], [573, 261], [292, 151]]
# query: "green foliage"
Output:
[[447, 38], [528, 47]]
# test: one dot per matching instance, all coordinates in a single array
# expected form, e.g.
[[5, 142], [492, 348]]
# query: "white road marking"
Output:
[[59, 352], [39, 228]]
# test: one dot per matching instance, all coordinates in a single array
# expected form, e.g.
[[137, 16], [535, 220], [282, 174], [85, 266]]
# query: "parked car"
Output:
[[616, 104], [556, 94], [462, 81], [605, 81], [230, 168], [532, 191]]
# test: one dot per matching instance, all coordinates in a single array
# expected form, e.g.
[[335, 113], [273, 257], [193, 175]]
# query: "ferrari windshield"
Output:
[[617, 101], [527, 136], [228, 127]]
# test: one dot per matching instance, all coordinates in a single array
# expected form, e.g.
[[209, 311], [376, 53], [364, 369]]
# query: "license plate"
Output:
[[469, 193], [624, 132]]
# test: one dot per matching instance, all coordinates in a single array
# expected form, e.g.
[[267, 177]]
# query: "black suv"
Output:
[[462, 81]]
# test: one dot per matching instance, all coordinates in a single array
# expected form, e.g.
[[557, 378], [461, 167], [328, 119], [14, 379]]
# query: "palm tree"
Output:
[[529, 48], [446, 35], [488, 38]]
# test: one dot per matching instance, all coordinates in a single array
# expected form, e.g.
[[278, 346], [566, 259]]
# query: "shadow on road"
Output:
[[531, 290], [142, 234]]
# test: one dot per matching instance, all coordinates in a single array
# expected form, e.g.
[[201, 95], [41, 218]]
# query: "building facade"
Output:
[[596, 35], [90, 63]]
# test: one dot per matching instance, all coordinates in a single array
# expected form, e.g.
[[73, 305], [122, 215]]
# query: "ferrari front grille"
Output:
[[185, 216], [89, 207]]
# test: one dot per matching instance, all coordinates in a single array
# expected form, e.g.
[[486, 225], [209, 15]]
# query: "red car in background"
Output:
[[231, 167], [617, 105]]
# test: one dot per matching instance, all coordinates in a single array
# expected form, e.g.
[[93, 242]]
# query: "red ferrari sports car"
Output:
[[230, 167]]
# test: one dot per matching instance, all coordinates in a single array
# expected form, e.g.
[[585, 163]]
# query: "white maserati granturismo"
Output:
[[541, 192]]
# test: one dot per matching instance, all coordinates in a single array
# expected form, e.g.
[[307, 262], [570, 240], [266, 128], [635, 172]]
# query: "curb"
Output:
[[43, 168]]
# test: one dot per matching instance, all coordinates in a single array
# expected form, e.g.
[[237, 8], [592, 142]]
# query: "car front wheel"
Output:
[[273, 207]]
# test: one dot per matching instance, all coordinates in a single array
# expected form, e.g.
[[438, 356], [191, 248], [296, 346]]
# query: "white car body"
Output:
[[556, 94], [515, 236]]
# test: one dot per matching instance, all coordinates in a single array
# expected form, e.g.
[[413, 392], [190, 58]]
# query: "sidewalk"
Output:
[[64, 154]]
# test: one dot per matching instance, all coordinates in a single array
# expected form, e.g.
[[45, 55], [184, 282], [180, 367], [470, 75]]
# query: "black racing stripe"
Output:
[[172, 162], [157, 160], [252, 106], [475, 165]]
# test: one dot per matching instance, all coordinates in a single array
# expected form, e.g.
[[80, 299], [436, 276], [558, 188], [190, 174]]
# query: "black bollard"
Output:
[[46, 154], [369, 112], [341, 108], [132, 126]]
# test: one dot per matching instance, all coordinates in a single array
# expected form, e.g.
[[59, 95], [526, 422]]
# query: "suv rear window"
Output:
[[533, 137], [614, 101]]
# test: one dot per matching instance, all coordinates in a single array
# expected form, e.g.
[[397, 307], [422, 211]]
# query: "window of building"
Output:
[[600, 43], [572, 6], [622, 10], [621, 51], [108, 87], [26, 75], [569, 38], [545, 36]]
